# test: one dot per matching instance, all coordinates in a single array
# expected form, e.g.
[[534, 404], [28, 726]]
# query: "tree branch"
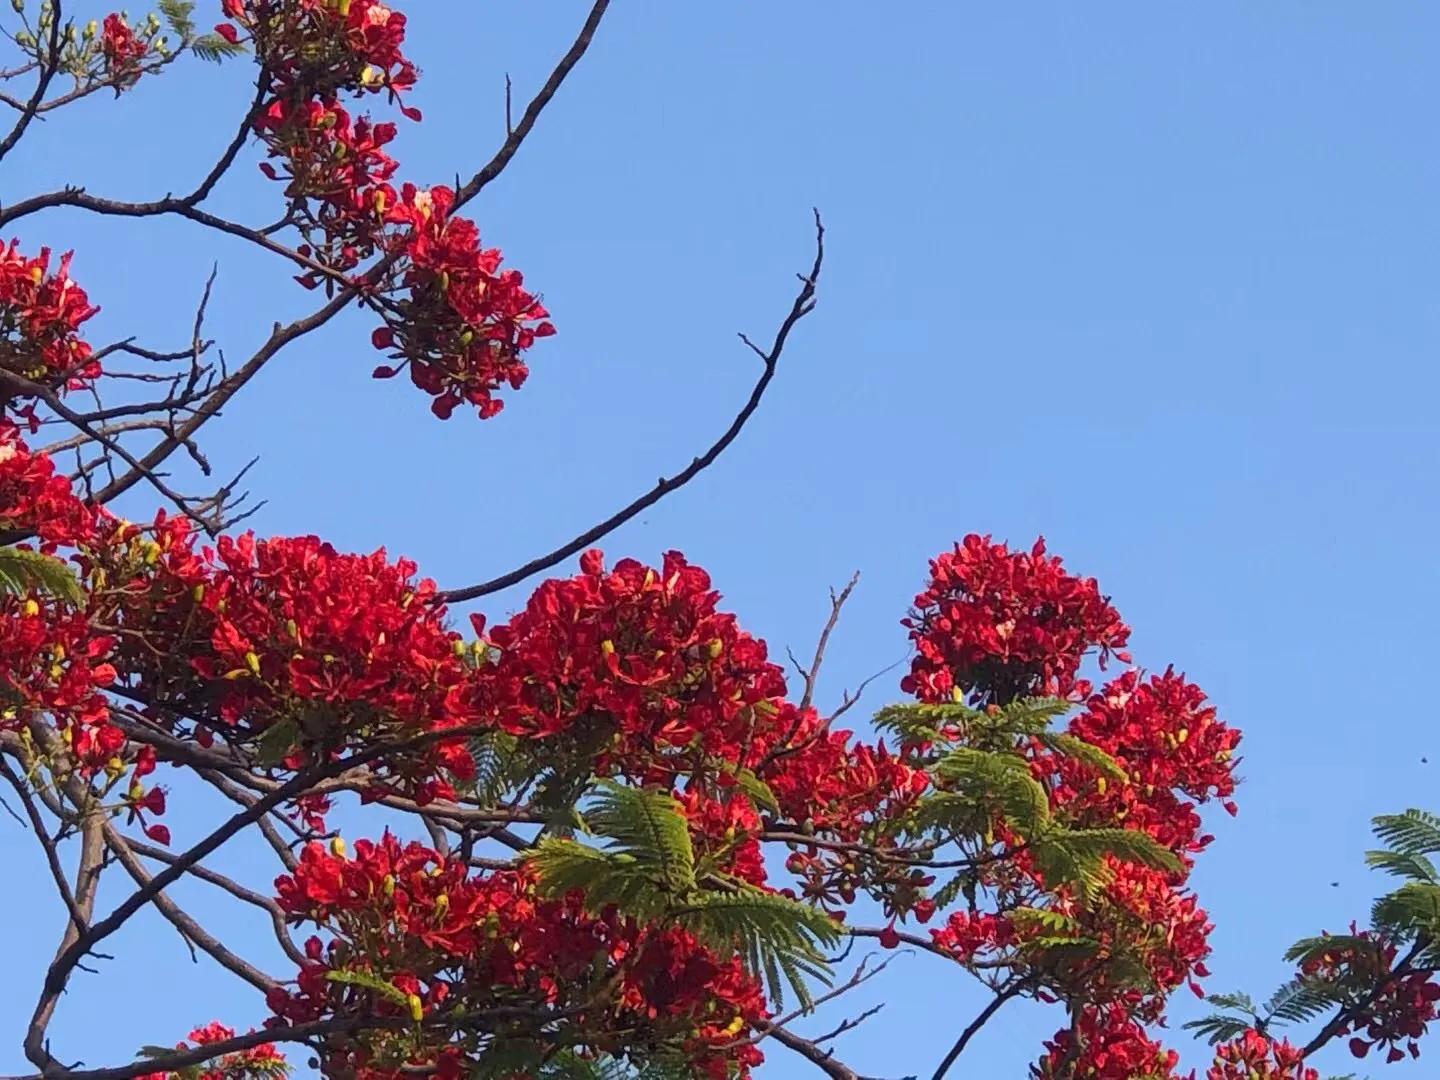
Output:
[[803, 305]]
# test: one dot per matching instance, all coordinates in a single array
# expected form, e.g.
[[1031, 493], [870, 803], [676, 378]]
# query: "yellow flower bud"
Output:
[[32, 608], [716, 648], [253, 663], [607, 647], [389, 884], [1101, 785], [1182, 735], [337, 847], [417, 1007]]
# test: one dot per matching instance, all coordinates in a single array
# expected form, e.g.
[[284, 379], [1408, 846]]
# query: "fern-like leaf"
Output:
[[1003, 779], [1410, 865], [1412, 908], [1415, 832], [1219, 1027], [779, 939], [23, 571], [1088, 754], [214, 49]]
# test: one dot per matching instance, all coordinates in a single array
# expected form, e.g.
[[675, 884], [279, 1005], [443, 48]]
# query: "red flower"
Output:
[[996, 625]]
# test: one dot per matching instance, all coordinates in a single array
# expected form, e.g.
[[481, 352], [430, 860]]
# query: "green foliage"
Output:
[[1087, 754], [1299, 1001], [214, 48], [1312, 948], [178, 16], [756, 790], [369, 981], [1077, 856], [1001, 780], [23, 571], [500, 764], [1410, 865], [1415, 832], [646, 868], [1414, 908]]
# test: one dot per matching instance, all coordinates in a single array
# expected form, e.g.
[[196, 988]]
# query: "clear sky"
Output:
[[1156, 280]]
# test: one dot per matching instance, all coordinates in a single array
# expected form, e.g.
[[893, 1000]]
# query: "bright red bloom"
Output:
[[40, 317], [1254, 1057], [465, 321], [259, 1062], [122, 49], [1112, 1047], [403, 914], [998, 625]]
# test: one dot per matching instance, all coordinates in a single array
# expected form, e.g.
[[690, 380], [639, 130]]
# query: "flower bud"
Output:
[[32, 608], [716, 648], [389, 884], [417, 1007], [337, 847], [91, 29], [253, 663]]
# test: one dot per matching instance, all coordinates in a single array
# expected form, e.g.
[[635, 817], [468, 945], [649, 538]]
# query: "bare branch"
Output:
[[189, 929], [803, 305]]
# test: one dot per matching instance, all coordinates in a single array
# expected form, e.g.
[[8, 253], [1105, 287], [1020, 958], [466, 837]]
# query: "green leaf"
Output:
[[1218, 1027], [648, 825], [177, 14], [1410, 865], [369, 981], [1232, 1001], [277, 742], [214, 48], [1412, 908], [498, 763], [757, 790], [1077, 856], [1310, 948], [1053, 922], [1301, 1000], [1089, 755], [23, 571], [1002, 779], [778, 938], [1415, 832]]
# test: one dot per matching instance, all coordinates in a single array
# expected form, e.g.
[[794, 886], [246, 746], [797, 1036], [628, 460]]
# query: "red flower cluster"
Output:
[[33, 499], [288, 641], [261, 1062], [1112, 1047], [460, 323], [1255, 1057], [417, 925], [1146, 918], [997, 625], [968, 935], [40, 317], [321, 48], [1401, 1006], [646, 654], [52, 661], [464, 321], [122, 49], [1173, 749]]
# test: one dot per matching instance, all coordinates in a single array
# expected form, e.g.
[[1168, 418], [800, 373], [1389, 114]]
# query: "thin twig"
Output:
[[803, 305]]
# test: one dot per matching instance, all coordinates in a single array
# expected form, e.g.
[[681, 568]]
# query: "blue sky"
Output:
[[1156, 280]]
